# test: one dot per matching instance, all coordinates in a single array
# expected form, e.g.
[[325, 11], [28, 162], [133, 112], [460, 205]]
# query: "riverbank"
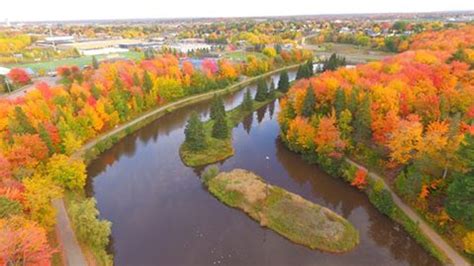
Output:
[[414, 223], [388, 203], [290, 215], [94, 147], [220, 149]]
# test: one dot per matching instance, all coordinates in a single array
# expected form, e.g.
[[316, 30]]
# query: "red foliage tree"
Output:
[[19, 76]]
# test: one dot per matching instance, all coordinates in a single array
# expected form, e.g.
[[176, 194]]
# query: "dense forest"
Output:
[[409, 117]]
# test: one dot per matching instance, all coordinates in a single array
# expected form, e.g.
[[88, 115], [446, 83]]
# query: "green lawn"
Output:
[[79, 61], [288, 214]]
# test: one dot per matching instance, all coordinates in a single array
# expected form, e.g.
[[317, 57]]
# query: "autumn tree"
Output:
[[19, 76], [284, 82], [39, 192], [195, 137], [67, 172], [23, 242], [405, 139]]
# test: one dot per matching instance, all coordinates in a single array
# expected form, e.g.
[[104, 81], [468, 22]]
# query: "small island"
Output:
[[288, 214], [211, 141]]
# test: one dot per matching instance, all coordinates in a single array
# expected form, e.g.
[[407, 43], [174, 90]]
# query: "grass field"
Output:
[[242, 55], [288, 214], [79, 61]]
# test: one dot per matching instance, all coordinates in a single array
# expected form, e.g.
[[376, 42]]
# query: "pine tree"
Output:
[[262, 91], [309, 102], [284, 82], [136, 79], [220, 129], [217, 107], [247, 103], [340, 101], [300, 73], [46, 138], [195, 137], [363, 120], [309, 68], [95, 63], [23, 124], [147, 82], [272, 91], [95, 91]]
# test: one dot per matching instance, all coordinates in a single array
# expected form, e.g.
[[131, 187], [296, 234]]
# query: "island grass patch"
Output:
[[288, 214], [217, 150]]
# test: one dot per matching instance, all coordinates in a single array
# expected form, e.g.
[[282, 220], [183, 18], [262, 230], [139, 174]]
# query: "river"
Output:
[[162, 215]]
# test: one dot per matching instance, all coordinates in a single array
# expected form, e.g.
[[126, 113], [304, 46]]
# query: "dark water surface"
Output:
[[162, 215]]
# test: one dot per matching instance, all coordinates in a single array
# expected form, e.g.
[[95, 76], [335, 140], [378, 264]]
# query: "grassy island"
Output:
[[288, 214], [209, 148]]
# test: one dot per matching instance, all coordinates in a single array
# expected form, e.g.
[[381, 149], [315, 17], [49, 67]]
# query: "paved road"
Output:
[[437, 240], [51, 81], [68, 243]]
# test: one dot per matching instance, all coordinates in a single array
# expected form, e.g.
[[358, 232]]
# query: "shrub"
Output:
[[381, 198], [89, 228], [468, 242], [209, 174], [9, 207]]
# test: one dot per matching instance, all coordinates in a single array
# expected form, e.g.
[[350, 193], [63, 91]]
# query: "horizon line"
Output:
[[242, 17]]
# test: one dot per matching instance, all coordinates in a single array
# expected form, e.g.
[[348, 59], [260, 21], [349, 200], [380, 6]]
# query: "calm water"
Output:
[[162, 215]]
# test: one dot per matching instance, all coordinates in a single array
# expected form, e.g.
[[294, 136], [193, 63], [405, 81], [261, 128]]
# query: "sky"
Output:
[[50, 10]]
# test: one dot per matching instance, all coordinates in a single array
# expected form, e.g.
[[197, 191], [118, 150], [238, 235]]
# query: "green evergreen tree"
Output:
[[46, 138], [262, 91], [217, 107], [95, 92], [195, 137], [340, 101], [22, 123], [271, 91], [147, 82], [95, 63], [136, 79], [284, 82], [334, 62], [247, 103], [309, 68], [309, 102], [460, 203], [301, 72], [220, 128], [363, 120]]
